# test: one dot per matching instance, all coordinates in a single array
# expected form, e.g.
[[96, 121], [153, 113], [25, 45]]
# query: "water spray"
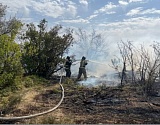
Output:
[[97, 62], [93, 81], [78, 60]]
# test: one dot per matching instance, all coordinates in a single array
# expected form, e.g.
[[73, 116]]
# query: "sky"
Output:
[[134, 20], [116, 20], [128, 19]]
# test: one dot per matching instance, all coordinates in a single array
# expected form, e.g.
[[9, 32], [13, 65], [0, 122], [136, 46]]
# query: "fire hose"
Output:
[[45, 112], [41, 113]]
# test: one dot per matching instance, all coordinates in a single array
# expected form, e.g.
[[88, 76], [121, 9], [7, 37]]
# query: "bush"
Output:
[[9, 83], [8, 103], [10, 62], [30, 81]]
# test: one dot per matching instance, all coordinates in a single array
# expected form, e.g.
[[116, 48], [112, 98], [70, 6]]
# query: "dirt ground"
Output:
[[81, 105], [109, 105]]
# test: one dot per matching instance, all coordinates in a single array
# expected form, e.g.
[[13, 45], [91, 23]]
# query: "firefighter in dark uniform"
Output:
[[67, 65], [82, 69]]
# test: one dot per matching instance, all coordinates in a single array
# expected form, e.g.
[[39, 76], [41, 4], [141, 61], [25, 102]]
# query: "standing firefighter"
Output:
[[82, 69], [67, 65]]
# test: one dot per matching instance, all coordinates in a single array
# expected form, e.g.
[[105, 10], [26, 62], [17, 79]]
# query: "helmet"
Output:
[[83, 58], [68, 57]]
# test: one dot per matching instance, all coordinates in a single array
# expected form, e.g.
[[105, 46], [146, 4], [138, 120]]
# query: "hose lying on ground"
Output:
[[41, 113]]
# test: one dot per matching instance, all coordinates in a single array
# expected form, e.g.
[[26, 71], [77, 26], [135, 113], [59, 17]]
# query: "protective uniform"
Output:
[[68, 64], [82, 69]]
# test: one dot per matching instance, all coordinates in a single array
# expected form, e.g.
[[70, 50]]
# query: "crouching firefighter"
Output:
[[67, 66], [82, 69]]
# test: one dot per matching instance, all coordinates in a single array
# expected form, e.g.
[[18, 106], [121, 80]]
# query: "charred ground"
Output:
[[81, 105]]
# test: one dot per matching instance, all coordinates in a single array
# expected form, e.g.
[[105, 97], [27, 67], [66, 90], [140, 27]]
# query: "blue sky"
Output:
[[134, 20], [116, 20], [82, 13]]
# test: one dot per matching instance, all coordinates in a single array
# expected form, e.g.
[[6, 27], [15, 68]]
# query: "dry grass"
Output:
[[109, 105]]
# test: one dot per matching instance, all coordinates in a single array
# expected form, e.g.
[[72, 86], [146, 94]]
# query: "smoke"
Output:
[[93, 68], [110, 79], [97, 51], [98, 73]]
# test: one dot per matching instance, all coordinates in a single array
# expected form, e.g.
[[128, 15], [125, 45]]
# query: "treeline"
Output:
[[34, 51], [37, 51]]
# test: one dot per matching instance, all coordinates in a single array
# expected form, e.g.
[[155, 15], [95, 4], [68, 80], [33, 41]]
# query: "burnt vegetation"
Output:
[[28, 59]]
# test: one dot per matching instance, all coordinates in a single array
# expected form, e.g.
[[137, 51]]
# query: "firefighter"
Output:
[[67, 66], [82, 69]]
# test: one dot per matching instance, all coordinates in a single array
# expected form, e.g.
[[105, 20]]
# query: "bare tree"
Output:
[[124, 53], [144, 61], [91, 44]]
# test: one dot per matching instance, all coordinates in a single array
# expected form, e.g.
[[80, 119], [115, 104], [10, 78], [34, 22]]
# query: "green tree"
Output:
[[10, 54], [43, 50]]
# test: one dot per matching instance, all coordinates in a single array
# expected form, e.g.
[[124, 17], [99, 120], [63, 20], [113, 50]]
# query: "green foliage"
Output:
[[30, 81], [43, 50], [10, 54], [9, 27], [8, 103], [10, 64]]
